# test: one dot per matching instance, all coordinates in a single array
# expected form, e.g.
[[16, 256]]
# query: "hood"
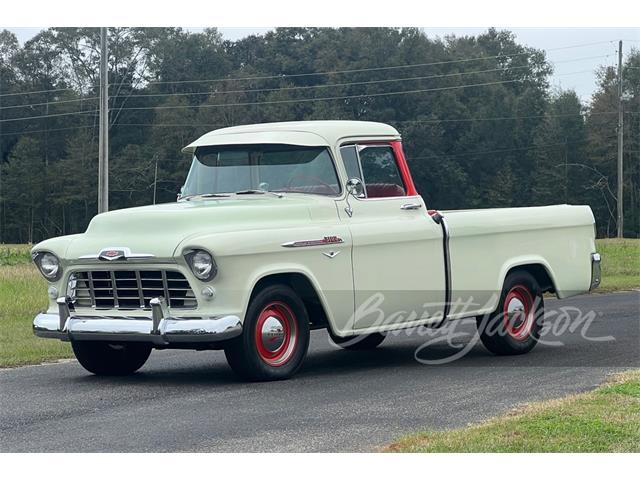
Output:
[[158, 229]]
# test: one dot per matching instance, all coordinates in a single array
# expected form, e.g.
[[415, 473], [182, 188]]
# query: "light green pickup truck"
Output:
[[283, 228]]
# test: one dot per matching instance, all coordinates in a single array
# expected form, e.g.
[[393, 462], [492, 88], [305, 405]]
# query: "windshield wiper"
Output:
[[249, 192], [205, 195]]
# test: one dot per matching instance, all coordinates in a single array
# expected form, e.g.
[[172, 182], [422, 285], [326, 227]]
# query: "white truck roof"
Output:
[[308, 133]]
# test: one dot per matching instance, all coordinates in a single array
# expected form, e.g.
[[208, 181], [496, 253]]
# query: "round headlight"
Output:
[[202, 264], [49, 265]]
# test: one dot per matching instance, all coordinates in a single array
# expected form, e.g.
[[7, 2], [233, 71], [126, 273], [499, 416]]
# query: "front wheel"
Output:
[[514, 327], [275, 336], [103, 358]]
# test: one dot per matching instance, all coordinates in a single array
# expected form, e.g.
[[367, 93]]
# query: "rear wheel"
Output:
[[514, 327], [103, 358], [358, 342], [275, 336]]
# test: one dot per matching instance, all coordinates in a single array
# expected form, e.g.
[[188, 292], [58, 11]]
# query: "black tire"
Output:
[[517, 334], [251, 356], [103, 358], [358, 342]]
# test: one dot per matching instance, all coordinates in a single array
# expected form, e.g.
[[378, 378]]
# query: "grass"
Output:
[[605, 420], [620, 263], [15, 254], [22, 295]]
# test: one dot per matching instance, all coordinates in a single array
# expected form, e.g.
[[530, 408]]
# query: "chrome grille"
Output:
[[131, 289]]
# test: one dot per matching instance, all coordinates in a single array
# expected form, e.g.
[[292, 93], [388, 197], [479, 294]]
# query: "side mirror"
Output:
[[355, 187]]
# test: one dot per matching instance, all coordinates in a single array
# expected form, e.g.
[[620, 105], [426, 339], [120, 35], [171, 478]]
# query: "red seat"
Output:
[[380, 190]]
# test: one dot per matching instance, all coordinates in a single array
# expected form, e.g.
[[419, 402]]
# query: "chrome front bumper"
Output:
[[159, 329], [596, 274]]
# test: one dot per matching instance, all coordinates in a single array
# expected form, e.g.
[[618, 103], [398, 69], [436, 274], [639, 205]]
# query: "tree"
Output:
[[24, 180], [480, 125]]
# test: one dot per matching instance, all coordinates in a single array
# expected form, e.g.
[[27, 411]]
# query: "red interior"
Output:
[[380, 190]]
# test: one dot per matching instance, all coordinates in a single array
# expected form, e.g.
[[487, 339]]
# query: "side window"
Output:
[[380, 172], [350, 160]]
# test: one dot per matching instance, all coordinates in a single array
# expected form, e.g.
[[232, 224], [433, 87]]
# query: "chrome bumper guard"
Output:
[[596, 274], [159, 329]]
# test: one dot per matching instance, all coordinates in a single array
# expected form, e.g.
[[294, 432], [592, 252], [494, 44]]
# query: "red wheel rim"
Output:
[[518, 312], [276, 334]]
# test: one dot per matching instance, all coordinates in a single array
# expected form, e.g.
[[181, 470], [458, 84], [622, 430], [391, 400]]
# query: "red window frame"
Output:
[[405, 173], [401, 163]]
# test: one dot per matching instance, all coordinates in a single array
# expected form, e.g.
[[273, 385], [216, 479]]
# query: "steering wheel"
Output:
[[315, 179]]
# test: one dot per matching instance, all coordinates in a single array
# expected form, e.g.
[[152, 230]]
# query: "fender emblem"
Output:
[[331, 254], [328, 240]]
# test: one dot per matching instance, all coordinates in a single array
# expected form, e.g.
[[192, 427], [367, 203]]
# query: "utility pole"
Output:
[[155, 181], [103, 142], [620, 145]]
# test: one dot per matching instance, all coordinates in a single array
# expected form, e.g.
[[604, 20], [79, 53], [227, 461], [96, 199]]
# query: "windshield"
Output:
[[274, 168]]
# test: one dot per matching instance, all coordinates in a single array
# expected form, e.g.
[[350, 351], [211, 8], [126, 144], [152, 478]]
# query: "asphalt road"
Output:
[[339, 401]]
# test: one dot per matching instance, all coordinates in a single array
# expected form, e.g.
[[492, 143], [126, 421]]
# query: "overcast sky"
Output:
[[576, 69]]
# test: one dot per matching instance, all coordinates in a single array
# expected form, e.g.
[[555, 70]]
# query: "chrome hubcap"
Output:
[[272, 334], [516, 314]]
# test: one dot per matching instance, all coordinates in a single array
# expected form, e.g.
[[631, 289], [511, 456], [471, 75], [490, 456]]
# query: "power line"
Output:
[[271, 102], [55, 102], [333, 72], [502, 150], [360, 70], [27, 132], [301, 100], [516, 117], [47, 116], [343, 97], [303, 87], [392, 122], [33, 92], [346, 84], [320, 99]]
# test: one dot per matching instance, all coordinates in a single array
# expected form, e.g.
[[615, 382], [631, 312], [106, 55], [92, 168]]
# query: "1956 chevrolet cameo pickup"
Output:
[[286, 227]]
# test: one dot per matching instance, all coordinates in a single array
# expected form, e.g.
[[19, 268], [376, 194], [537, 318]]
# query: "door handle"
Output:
[[410, 206]]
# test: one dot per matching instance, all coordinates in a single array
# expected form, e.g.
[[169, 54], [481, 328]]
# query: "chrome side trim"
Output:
[[328, 240], [596, 271]]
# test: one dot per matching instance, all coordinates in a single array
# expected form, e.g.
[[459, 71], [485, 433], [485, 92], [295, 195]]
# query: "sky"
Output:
[[575, 70]]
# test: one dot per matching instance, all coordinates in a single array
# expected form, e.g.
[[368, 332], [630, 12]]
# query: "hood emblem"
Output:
[[111, 254]]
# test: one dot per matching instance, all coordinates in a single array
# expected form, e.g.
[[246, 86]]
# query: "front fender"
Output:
[[245, 258]]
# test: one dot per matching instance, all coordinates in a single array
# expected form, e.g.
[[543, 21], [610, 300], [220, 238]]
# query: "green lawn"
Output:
[[23, 293], [605, 420], [15, 254], [620, 263]]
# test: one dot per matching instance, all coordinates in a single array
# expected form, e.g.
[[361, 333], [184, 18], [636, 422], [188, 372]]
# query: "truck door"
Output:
[[397, 257]]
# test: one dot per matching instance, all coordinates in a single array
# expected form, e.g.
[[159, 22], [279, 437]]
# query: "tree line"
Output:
[[481, 125]]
